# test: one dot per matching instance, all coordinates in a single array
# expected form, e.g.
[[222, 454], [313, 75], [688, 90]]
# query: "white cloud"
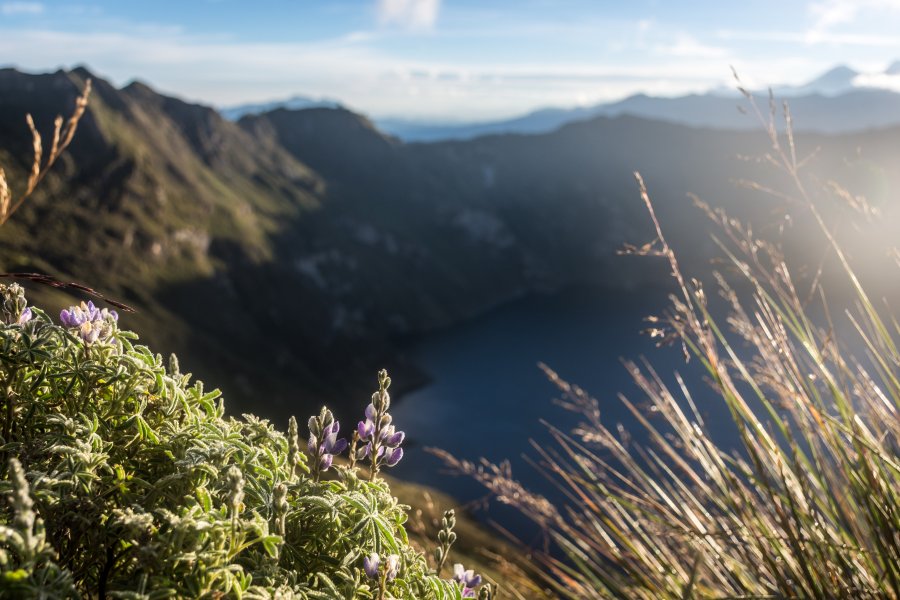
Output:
[[878, 80], [410, 14], [226, 72], [21, 8], [687, 46], [809, 38], [832, 12], [828, 14], [361, 70]]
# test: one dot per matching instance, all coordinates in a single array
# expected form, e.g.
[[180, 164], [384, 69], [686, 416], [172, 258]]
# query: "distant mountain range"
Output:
[[838, 101], [285, 256]]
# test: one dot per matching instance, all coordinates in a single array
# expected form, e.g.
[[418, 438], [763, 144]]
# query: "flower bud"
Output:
[[235, 488], [371, 564]]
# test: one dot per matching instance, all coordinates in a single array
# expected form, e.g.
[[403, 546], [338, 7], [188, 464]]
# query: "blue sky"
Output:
[[447, 59]]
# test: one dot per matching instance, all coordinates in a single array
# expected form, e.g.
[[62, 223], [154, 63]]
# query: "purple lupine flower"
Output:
[[391, 438], [391, 567], [380, 439], [388, 439], [325, 462], [89, 332], [333, 444], [76, 316], [365, 429], [371, 564], [90, 321], [466, 577], [67, 318], [392, 456], [25, 316], [324, 444]]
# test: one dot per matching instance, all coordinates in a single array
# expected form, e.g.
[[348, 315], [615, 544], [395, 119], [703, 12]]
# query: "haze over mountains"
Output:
[[286, 255], [838, 101]]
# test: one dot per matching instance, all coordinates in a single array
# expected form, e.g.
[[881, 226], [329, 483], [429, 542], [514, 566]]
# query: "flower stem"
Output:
[[382, 585]]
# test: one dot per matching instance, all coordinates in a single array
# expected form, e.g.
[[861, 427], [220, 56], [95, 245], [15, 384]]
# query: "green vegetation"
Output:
[[805, 503], [127, 481]]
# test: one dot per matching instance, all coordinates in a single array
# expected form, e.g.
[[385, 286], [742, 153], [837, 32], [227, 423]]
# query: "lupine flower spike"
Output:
[[235, 495], [446, 537], [14, 308], [324, 444], [91, 322], [382, 441], [280, 507]]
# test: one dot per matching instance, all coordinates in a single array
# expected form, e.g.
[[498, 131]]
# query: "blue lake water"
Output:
[[488, 396]]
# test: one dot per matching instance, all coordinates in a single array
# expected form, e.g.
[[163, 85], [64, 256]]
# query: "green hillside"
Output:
[[296, 249]]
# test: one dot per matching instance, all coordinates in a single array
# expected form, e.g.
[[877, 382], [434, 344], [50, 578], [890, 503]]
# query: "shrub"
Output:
[[126, 480], [805, 503]]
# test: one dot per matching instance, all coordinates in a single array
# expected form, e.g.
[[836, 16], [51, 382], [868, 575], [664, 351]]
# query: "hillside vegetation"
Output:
[[126, 480], [271, 250]]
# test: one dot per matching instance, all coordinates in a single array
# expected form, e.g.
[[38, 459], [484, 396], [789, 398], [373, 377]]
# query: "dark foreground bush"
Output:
[[125, 480]]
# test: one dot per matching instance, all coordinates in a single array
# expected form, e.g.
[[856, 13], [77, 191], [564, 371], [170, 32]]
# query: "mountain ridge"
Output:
[[284, 256], [822, 96], [871, 106]]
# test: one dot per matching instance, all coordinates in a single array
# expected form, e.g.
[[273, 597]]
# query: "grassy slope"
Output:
[[156, 195], [477, 547]]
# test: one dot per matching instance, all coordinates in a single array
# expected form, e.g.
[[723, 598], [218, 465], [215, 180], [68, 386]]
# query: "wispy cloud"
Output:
[[810, 37], [829, 14], [225, 72], [662, 41], [832, 12], [21, 8], [476, 63], [409, 14], [687, 46]]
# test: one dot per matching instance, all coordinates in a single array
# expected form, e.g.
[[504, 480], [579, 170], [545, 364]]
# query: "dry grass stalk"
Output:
[[62, 137], [808, 503]]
